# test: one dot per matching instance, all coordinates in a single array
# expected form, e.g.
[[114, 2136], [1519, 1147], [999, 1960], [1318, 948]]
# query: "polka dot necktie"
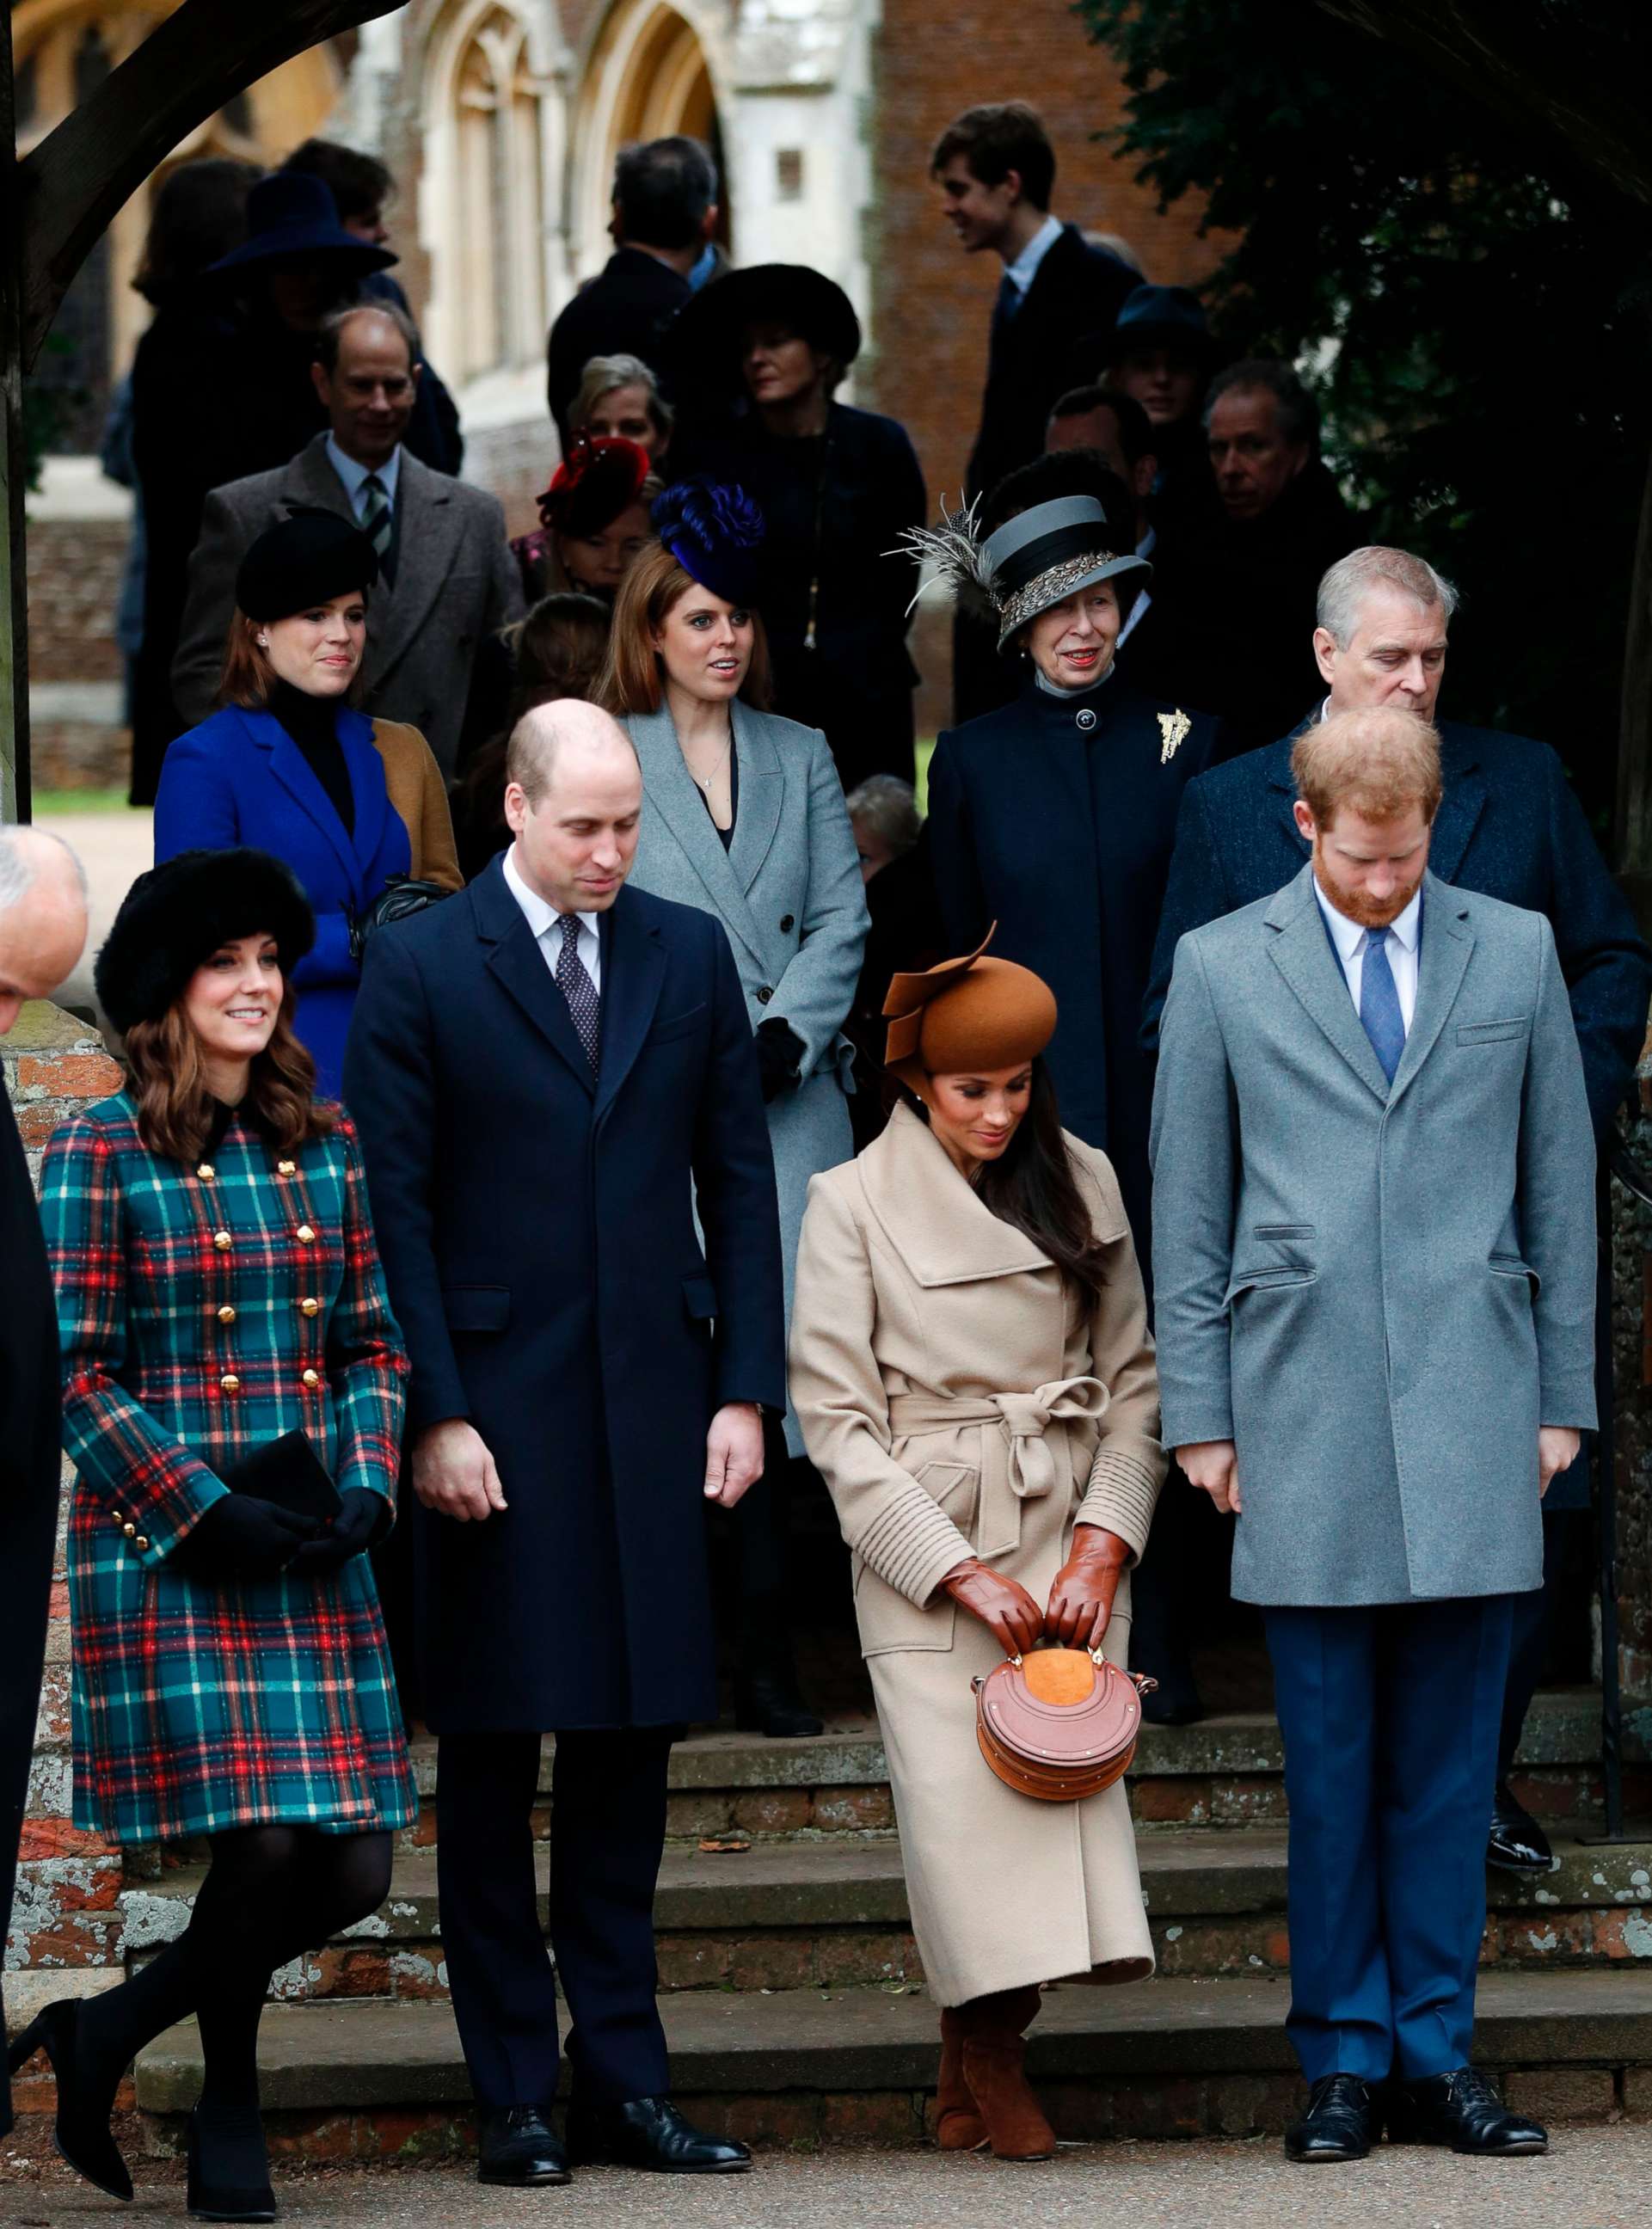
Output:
[[578, 987]]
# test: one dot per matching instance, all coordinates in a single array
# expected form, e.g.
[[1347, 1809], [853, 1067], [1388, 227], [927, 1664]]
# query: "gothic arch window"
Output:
[[485, 195], [647, 76]]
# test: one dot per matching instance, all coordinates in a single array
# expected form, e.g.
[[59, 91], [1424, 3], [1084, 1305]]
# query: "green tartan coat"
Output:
[[204, 1312]]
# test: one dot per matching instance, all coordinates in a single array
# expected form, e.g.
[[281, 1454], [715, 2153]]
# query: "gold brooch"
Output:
[[1173, 727]]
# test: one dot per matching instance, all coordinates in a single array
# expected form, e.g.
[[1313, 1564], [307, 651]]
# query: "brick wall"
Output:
[[74, 571], [65, 1934]]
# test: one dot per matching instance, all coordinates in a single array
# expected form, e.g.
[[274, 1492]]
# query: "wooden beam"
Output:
[[1581, 73], [71, 185]]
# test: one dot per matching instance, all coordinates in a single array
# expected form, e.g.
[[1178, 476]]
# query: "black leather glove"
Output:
[[243, 1538], [361, 1518], [780, 1053]]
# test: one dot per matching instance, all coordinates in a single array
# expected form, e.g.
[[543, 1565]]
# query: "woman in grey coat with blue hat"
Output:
[[744, 816]]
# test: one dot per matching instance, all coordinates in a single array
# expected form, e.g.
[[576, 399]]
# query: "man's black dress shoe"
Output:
[[1461, 2108], [1516, 1844], [520, 2148], [650, 2132], [769, 1706], [1339, 2123]]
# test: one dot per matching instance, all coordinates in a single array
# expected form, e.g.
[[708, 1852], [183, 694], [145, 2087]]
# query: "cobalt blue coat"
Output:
[[538, 1230], [239, 778]]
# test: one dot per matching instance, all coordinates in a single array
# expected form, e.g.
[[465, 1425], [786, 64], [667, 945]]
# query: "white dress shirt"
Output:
[[1351, 941], [542, 919], [356, 476], [1145, 548], [1025, 269]]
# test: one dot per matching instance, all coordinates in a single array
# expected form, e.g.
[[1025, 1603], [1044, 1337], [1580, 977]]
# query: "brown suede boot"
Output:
[[994, 2030], [959, 2127]]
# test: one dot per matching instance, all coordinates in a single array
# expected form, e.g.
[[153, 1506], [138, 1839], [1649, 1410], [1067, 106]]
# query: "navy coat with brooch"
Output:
[[539, 1236], [1054, 818]]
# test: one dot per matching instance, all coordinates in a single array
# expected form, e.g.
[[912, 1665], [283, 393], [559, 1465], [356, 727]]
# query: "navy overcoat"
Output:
[[1054, 818], [539, 1236]]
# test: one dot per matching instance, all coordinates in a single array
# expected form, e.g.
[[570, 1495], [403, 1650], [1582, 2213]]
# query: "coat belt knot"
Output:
[[1016, 1463]]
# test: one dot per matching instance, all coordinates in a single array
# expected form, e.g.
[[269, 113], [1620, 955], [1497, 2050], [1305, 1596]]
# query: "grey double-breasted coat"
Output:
[[788, 893], [1379, 1292]]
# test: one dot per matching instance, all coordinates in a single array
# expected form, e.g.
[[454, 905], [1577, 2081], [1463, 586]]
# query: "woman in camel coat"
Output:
[[972, 1366]]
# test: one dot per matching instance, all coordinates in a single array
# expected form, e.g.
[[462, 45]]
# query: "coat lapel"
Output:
[[675, 796], [1303, 952], [938, 1227], [1460, 807], [1444, 953], [291, 769], [763, 794], [633, 969], [366, 787], [1283, 787], [516, 960], [310, 484]]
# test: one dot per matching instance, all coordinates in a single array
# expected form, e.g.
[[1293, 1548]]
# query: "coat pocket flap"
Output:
[[1474, 1033], [1251, 1281], [700, 1298], [476, 1308], [677, 1025], [1511, 1265]]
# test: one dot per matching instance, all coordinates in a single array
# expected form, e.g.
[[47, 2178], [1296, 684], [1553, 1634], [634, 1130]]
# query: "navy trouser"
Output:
[[607, 1832], [1391, 1717]]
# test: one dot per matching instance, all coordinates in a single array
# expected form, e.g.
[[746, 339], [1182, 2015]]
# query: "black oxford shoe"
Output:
[[764, 1705], [1339, 2123], [650, 2132], [1516, 1844], [1461, 2109], [521, 2150]]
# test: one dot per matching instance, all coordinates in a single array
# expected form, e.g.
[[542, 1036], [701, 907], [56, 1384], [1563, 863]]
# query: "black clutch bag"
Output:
[[288, 1472], [402, 896]]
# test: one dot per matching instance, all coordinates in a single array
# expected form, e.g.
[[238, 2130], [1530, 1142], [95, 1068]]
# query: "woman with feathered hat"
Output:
[[971, 1362], [744, 816], [233, 1391]]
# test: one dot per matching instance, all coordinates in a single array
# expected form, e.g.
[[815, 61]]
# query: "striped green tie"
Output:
[[378, 522]]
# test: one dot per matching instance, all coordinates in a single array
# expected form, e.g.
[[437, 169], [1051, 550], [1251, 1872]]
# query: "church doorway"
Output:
[[647, 77]]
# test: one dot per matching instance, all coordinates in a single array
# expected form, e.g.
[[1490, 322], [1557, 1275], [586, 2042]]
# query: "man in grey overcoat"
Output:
[[447, 578], [1373, 1238]]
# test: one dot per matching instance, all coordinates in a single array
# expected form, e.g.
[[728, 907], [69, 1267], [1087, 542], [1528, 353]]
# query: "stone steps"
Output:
[[831, 1913], [1162, 2058]]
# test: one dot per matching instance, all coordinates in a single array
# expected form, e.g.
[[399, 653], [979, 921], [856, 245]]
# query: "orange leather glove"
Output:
[[1081, 1600], [1003, 1605]]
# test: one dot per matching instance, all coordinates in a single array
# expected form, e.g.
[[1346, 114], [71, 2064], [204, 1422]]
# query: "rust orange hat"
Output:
[[973, 1013]]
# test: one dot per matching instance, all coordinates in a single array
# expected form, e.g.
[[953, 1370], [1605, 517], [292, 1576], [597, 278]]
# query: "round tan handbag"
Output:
[[1061, 1724]]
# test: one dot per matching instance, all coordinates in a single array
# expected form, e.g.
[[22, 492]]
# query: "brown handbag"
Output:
[[1061, 1724]]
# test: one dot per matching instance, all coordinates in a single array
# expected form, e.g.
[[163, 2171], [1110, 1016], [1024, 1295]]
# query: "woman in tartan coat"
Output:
[[219, 1288]]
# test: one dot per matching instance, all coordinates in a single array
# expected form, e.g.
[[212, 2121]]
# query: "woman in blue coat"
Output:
[[287, 764]]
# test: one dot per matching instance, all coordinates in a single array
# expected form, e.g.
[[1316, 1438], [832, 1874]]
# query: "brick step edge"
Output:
[[364, 2058]]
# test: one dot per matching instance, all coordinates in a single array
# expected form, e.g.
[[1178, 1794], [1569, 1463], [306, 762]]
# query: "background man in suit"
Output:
[[664, 215], [43, 933], [1373, 1221], [996, 170], [448, 579], [539, 1068], [1114, 426], [1509, 826]]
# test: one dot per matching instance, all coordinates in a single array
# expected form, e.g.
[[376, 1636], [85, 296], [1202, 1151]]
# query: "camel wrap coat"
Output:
[[959, 1400]]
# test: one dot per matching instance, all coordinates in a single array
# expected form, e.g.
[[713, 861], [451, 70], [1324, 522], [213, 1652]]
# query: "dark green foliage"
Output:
[[1472, 306]]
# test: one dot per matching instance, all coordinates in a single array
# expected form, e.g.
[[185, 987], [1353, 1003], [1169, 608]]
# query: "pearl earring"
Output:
[[263, 642]]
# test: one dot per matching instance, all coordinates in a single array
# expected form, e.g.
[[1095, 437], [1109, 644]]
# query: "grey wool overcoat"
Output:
[[961, 1400], [1379, 1292], [790, 895]]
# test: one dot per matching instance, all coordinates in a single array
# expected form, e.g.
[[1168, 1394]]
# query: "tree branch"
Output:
[[71, 185]]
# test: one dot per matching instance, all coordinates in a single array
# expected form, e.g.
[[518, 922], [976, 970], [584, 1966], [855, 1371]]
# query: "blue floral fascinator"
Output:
[[715, 532]]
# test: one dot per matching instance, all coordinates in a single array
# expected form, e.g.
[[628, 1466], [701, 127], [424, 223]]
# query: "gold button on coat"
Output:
[[206, 1172], [306, 1237], [131, 1531], [231, 1383], [287, 1168], [311, 1307], [313, 1377], [140, 1544], [222, 1241]]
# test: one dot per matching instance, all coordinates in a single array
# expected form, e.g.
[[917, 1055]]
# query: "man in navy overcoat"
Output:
[[546, 1071], [1510, 828]]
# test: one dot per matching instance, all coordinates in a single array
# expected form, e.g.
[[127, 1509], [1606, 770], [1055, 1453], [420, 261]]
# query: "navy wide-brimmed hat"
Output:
[[705, 338], [174, 918], [291, 218], [1162, 316], [716, 534]]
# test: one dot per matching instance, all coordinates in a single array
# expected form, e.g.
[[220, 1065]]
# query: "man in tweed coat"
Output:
[[1374, 1243]]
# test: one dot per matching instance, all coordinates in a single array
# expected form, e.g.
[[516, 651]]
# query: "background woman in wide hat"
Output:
[[971, 1363], [1084, 774], [288, 764], [763, 351], [744, 817], [219, 1288]]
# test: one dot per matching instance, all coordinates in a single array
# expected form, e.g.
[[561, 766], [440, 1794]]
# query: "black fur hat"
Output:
[[176, 916]]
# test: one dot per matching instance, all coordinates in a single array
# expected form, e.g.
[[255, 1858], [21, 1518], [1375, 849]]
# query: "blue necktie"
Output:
[[1005, 307], [1379, 1002]]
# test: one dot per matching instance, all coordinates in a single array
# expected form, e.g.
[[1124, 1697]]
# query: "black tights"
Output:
[[270, 1894]]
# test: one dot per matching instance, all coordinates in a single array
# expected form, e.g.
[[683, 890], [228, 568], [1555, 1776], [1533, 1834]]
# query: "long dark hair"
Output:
[[168, 1082], [1031, 1187]]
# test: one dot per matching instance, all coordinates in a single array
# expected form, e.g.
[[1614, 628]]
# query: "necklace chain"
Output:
[[706, 780]]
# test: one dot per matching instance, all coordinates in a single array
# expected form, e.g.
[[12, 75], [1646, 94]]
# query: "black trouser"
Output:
[[607, 1831]]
